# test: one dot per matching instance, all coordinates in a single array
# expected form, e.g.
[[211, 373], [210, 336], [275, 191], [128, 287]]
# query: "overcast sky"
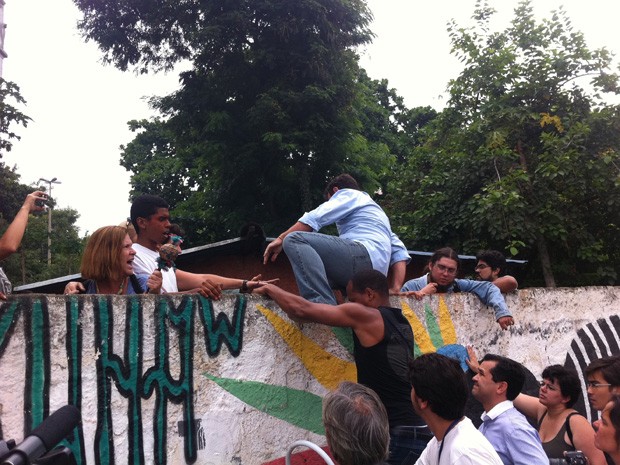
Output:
[[80, 108]]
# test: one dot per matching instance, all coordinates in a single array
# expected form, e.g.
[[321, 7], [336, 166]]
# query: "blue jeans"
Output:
[[321, 262], [407, 444]]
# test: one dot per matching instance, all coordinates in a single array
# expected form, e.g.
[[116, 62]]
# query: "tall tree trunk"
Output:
[[543, 253], [545, 261]]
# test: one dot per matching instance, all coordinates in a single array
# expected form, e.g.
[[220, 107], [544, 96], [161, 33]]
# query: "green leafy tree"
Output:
[[383, 131], [525, 157], [12, 192], [10, 115], [386, 124], [29, 264], [266, 114]]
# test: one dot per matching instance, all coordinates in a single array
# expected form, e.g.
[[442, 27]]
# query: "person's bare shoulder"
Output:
[[506, 283]]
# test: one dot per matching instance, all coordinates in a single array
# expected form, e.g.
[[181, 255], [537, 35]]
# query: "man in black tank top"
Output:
[[383, 347]]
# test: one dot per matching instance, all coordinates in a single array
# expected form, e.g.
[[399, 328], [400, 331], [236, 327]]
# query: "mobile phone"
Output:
[[41, 202]]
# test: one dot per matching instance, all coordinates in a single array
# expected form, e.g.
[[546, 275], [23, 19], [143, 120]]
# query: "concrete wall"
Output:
[[184, 380]]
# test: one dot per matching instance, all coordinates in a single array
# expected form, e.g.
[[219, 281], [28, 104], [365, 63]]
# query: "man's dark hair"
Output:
[[509, 371], [445, 252], [609, 368], [567, 379], [342, 181], [440, 381], [370, 279], [495, 259], [144, 206]]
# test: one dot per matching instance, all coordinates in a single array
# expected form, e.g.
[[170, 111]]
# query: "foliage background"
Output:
[[524, 158]]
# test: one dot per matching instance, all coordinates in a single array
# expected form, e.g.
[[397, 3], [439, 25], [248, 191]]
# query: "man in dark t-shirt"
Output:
[[383, 347]]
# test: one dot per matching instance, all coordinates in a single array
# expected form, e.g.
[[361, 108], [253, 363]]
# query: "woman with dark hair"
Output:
[[107, 265], [441, 277], [607, 436], [560, 427]]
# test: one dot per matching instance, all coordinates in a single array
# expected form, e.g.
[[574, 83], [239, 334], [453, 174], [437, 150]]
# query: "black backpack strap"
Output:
[[136, 284]]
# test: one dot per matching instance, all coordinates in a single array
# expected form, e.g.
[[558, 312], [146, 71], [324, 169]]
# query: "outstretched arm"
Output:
[[366, 322], [211, 285], [529, 406], [12, 238], [187, 280], [490, 295]]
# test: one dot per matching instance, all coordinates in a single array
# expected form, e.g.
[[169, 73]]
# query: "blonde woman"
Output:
[[107, 265]]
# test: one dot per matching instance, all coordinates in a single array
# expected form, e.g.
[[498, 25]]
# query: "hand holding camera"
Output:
[[36, 201]]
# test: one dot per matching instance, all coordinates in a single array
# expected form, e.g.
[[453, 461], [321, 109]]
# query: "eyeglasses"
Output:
[[594, 384], [481, 267], [445, 269], [549, 386]]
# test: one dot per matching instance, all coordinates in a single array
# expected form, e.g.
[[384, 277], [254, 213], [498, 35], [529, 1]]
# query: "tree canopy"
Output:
[[270, 109], [525, 157], [10, 115]]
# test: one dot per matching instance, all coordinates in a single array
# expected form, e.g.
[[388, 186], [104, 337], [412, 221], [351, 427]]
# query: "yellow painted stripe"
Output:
[[328, 369], [420, 335], [446, 325]]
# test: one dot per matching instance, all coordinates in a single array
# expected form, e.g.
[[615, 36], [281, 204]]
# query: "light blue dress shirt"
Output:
[[358, 218], [512, 437], [487, 292], [399, 251]]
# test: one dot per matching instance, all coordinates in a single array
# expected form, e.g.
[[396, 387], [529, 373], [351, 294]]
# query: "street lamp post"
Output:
[[49, 217]]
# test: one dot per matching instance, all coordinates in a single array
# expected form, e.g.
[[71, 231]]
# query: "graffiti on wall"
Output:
[[189, 325], [124, 372]]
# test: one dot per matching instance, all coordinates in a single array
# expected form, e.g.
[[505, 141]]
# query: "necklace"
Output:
[[120, 288]]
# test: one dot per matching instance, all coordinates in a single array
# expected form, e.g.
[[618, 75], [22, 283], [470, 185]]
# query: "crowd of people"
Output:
[[402, 410]]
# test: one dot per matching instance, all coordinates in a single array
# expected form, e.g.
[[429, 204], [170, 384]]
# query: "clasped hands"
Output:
[[213, 290]]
